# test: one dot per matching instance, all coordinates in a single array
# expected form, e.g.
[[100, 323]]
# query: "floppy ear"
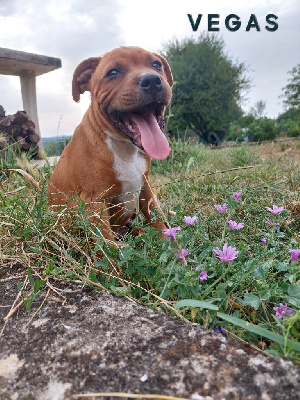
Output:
[[167, 69], [82, 76]]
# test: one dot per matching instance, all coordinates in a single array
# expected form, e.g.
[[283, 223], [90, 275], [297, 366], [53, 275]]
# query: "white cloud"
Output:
[[269, 55], [76, 29], [7, 7], [71, 30]]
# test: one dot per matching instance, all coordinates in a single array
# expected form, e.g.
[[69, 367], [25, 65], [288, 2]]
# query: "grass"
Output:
[[237, 298]]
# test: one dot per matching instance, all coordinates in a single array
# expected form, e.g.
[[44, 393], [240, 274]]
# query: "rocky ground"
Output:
[[82, 341]]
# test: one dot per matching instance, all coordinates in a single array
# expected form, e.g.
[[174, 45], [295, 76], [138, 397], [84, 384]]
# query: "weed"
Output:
[[184, 274]]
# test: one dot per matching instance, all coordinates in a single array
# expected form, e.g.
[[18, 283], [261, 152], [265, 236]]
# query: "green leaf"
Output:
[[93, 277], [120, 291], [37, 284], [30, 276], [282, 266], [294, 295], [260, 273], [28, 303], [251, 300], [164, 257], [196, 303], [189, 164], [221, 293], [265, 295], [259, 330]]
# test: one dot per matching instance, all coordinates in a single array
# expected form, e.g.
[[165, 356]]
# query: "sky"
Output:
[[74, 30]]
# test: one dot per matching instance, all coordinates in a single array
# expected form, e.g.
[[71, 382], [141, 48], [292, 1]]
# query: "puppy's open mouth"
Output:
[[143, 126]]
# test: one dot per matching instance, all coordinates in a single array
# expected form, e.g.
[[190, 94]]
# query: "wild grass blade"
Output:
[[275, 337]]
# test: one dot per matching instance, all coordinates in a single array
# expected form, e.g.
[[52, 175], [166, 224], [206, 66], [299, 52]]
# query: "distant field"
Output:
[[54, 146], [254, 298]]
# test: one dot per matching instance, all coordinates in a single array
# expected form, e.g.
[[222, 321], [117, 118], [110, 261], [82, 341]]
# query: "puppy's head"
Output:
[[131, 88]]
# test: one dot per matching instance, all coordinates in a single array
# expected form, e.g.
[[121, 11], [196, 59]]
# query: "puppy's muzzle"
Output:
[[151, 83]]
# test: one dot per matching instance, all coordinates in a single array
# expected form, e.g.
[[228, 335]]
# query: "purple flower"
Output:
[[277, 229], [264, 240], [182, 254], [203, 276], [294, 254], [221, 209], [269, 222], [282, 311], [219, 330], [190, 220], [236, 195], [228, 254], [275, 210], [234, 225], [172, 232]]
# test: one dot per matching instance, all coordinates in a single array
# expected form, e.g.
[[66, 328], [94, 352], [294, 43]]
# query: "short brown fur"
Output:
[[86, 167]]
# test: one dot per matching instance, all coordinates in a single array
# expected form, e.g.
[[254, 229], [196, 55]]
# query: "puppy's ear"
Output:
[[167, 68], [82, 76]]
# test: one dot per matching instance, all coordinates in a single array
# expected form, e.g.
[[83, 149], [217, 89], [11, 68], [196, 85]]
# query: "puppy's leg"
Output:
[[147, 204], [99, 215]]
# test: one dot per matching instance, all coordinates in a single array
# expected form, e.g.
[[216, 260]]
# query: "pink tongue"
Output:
[[153, 140]]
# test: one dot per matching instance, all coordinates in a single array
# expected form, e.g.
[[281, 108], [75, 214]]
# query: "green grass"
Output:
[[237, 297]]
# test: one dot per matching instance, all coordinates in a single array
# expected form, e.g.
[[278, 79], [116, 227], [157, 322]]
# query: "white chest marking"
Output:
[[130, 166]]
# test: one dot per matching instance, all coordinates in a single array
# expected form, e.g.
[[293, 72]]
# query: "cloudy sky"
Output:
[[73, 30]]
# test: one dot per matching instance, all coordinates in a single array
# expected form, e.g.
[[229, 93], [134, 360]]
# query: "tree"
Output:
[[258, 111], [290, 119], [291, 92], [208, 85]]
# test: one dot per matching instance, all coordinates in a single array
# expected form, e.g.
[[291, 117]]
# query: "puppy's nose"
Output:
[[151, 83]]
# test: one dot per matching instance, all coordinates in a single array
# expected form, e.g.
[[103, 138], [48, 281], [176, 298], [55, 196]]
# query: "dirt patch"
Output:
[[288, 152], [94, 342]]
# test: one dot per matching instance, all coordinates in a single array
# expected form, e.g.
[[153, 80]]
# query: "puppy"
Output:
[[106, 164]]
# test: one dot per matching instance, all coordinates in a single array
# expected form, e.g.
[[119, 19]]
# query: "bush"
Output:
[[263, 129], [293, 131], [236, 133]]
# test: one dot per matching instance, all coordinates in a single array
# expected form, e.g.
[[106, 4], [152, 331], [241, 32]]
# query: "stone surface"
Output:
[[14, 62], [96, 342], [41, 163]]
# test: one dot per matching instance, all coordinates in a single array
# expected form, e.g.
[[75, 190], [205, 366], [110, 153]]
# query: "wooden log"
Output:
[[25, 146], [3, 142], [34, 138], [11, 118], [19, 138], [24, 126], [31, 130], [5, 121], [30, 124], [19, 129], [21, 117], [15, 130], [23, 133], [21, 142]]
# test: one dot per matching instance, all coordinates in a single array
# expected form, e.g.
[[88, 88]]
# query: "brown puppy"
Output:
[[107, 161]]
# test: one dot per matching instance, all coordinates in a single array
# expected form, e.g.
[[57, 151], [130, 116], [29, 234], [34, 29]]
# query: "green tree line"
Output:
[[210, 87]]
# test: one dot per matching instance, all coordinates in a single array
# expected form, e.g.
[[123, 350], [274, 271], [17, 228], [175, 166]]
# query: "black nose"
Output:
[[151, 83]]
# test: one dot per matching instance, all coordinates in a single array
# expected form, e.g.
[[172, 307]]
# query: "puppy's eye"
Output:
[[113, 73], [157, 65]]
